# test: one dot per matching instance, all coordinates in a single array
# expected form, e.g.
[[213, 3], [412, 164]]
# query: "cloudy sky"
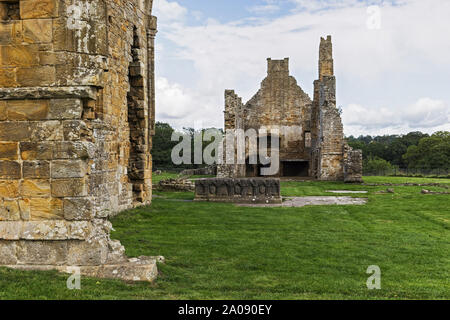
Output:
[[393, 73]]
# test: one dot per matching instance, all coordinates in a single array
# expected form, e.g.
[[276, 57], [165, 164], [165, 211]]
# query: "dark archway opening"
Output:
[[295, 168]]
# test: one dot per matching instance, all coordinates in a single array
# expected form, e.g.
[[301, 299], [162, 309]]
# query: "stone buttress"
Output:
[[76, 122]]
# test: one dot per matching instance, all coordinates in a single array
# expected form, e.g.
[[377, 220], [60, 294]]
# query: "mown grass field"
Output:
[[221, 251]]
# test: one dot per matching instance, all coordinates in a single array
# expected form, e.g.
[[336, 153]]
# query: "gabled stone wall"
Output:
[[311, 131]]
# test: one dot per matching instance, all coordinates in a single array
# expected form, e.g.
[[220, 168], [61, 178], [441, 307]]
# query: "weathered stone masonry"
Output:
[[76, 119], [311, 136]]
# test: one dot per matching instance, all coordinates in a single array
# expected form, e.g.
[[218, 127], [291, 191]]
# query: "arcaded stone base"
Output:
[[243, 190], [135, 269]]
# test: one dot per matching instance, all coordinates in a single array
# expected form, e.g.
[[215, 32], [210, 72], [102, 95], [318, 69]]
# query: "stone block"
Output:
[[35, 188], [10, 230], [36, 9], [73, 150], [47, 131], [47, 58], [78, 209], [79, 230], [36, 76], [9, 150], [45, 230], [65, 109], [2, 110], [46, 209], [19, 55], [9, 210], [68, 168], [75, 130], [135, 269], [25, 210], [36, 169], [8, 252], [3, 11], [82, 253], [10, 32], [18, 110], [74, 187], [36, 150], [15, 131], [42, 252], [9, 189], [8, 77], [10, 170], [37, 31]]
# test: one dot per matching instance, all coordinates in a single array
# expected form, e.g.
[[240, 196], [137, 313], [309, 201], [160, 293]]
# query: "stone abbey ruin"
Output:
[[311, 136], [77, 106], [77, 115]]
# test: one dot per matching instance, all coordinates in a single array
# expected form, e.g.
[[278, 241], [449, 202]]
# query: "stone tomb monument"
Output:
[[243, 190]]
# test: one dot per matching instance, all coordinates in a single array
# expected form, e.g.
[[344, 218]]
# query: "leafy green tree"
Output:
[[377, 165], [162, 145], [388, 147], [431, 152]]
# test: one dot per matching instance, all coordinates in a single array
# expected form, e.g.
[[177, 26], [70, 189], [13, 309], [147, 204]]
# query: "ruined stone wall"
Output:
[[311, 132], [281, 103], [76, 112], [327, 133], [331, 132], [353, 169], [233, 120]]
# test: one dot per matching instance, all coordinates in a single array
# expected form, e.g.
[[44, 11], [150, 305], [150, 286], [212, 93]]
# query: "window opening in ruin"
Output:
[[136, 121], [9, 10], [250, 169], [307, 139]]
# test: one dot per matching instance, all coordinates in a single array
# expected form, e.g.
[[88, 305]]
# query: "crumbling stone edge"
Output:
[[134, 269]]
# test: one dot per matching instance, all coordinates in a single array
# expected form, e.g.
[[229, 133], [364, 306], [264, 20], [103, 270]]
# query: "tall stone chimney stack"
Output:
[[326, 67]]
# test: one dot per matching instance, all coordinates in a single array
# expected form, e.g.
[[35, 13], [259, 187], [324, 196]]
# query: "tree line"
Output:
[[415, 150], [163, 145]]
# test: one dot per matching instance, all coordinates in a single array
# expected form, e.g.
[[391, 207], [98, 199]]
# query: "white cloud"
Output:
[[182, 107], [426, 114], [315, 5], [369, 118], [264, 9], [173, 101], [169, 11], [394, 67]]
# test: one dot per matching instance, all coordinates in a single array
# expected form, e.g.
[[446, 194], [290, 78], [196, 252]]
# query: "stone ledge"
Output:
[[135, 269], [83, 92], [45, 230]]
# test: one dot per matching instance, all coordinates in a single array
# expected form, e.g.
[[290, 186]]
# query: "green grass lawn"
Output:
[[221, 251]]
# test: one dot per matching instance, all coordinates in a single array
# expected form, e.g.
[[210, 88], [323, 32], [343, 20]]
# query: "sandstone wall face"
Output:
[[311, 133], [76, 120]]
